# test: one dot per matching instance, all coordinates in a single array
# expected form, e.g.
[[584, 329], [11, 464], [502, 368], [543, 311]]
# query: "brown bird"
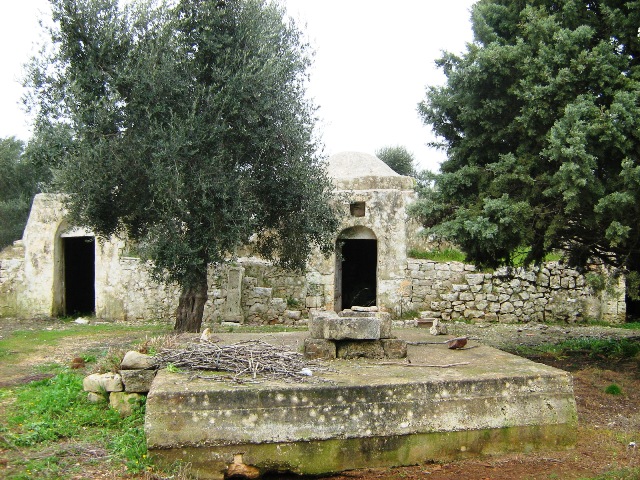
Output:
[[77, 362], [452, 343], [459, 342]]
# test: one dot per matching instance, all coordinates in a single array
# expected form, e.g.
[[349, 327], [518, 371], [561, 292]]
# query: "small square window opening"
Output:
[[357, 209]]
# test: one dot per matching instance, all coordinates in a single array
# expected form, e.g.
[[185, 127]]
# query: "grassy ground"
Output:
[[48, 429]]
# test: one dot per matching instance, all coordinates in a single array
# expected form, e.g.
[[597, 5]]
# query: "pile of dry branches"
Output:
[[252, 359]]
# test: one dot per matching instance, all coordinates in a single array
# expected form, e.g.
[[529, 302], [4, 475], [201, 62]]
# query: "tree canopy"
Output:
[[18, 184], [399, 159], [540, 119], [184, 126]]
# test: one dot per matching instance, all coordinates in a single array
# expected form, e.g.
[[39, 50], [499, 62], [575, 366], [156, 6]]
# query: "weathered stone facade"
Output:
[[11, 267], [373, 201]]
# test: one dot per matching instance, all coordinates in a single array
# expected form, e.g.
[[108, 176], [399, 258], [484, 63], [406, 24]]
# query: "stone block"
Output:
[[294, 315], [438, 328], [352, 328], [103, 382], [385, 325], [313, 302], [467, 297], [94, 397], [394, 348], [349, 349], [125, 403], [135, 360], [316, 322], [263, 292], [354, 313], [258, 309], [319, 349], [138, 381], [507, 307], [474, 278]]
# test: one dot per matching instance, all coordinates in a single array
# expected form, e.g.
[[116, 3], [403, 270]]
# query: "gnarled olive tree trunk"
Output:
[[191, 307]]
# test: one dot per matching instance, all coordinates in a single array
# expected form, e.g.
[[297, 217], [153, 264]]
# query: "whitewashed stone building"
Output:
[[58, 269]]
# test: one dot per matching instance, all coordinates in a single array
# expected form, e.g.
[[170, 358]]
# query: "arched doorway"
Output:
[[79, 275], [356, 268], [74, 287]]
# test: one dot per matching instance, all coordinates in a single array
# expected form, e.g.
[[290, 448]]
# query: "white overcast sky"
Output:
[[374, 59]]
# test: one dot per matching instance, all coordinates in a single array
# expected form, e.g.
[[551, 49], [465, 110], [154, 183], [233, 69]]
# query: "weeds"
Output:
[[613, 389], [624, 474], [26, 342], [259, 328], [615, 349], [56, 410], [445, 255]]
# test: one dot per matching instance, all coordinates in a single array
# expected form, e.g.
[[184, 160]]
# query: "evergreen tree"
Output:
[[540, 118], [18, 185]]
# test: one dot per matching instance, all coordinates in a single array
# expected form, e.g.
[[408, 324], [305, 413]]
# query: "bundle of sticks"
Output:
[[252, 358]]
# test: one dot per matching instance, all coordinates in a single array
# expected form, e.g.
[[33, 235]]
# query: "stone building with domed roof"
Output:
[[58, 269], [369, 264]]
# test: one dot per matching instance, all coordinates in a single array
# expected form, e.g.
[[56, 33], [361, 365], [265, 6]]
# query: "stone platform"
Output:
[[366, 413]]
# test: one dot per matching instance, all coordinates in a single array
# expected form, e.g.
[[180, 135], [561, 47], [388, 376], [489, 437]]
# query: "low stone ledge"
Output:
[[394, 348], [352, 328], [387, 416]]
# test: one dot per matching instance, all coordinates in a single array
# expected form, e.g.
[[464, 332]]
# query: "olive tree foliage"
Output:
[[540, 119], [21, 179], [183, 125], [399, 159]]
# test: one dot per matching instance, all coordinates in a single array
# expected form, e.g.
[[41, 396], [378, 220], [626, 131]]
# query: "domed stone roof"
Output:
[[362, 171], [358, 164]]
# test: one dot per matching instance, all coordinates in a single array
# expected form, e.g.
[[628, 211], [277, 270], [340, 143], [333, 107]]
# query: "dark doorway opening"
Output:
[[359, 261], [79, 275], [633, 309]]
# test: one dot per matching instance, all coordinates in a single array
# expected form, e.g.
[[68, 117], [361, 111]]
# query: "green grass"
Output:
[[260, 329], [51, 411], [623, 474], [613, 389], [628, 325], [617, 349], [455, 255], [446, 255], [28, 341], [520, 255]]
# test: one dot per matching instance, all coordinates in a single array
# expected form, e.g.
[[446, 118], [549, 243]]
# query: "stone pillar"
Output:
[[233, 306]]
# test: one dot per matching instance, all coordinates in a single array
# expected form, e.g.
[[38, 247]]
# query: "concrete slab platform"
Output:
[[366, 413]]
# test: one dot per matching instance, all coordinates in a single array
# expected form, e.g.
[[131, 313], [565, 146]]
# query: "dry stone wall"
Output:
[[552, 292], [254, 291], [11, 265]]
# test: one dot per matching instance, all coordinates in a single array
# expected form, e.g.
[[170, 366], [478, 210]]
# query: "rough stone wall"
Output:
[[552, 292], [11, 265], [260, 294], [127, 290], [253, 291]]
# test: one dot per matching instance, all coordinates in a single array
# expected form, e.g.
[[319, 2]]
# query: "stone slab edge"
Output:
[[337, 455], [284, 413]]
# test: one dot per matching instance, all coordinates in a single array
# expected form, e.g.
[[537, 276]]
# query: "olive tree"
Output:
[[185, 127]]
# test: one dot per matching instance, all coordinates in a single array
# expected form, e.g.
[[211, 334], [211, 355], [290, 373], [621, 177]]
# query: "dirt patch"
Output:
[[18, 366]]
